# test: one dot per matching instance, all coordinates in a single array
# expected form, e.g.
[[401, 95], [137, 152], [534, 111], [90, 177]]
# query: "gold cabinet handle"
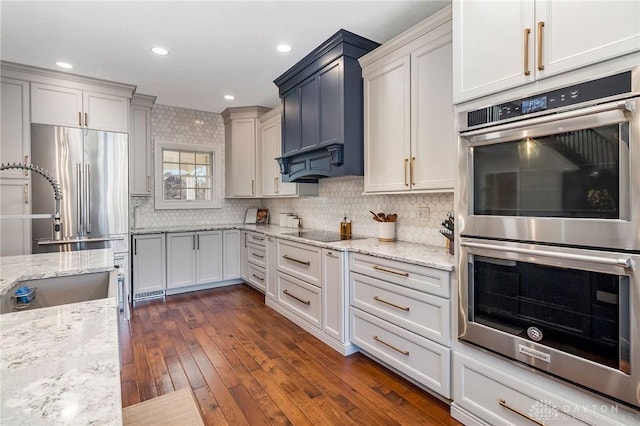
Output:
[[504, 404], [406, 162], [79, 118], [302, 262], [391, 271], [26, 193], [402, 308], [253, 186], [377, 339], [257, 255], [527, 32], [253, 237], [540, 29], [411, 173], [257, 277], [306, 302], [275, 185], [26, 161], [148, 183], [86, 120]]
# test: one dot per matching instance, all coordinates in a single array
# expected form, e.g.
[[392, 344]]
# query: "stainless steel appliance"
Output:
[[557, 167], [91, 168], [549, 219]]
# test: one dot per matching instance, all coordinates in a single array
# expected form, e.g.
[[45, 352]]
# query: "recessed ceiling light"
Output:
[[160, 51], [284, 48], [65, 65], [229, 97]]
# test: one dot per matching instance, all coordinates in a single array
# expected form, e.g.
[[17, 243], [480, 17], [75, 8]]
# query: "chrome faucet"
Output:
[[57, 193]]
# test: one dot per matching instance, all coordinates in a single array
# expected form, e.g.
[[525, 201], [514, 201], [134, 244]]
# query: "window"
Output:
[[187, 176]]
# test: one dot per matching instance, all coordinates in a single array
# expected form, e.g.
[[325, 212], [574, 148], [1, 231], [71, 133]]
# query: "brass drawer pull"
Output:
[[406, 162], [527, 31], [504, 404], [377, 339], [302, 262], [257, 255], [257, 238], [540, 28], [391, 271], [306, 302], [411, 172], [257, 277], [402, 308]]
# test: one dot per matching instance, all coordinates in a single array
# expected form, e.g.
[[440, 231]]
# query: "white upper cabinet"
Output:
[[16, 232], [242, 170], [71, 107], [15, 136], [408, 111], [501, 45], [270, 147], [140, 158]]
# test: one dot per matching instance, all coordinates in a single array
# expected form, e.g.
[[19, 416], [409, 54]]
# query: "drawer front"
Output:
[[421, 313], [300, 298], [421, 359], [257, 277], [256, 238], [256, 254], [502, 400], [303, 261], [421, 278]]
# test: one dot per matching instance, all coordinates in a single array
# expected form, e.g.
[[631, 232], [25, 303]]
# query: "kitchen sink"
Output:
[[59, 291]]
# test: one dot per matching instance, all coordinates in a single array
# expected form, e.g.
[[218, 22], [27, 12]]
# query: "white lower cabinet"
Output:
[[501, 393], [300, 297], [400, 314], [334, 293], [254, 259], [270, 291], [148, 265], [231, 255], [194, 258]]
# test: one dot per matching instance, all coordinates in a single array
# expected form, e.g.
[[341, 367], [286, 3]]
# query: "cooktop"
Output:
[[323, 236]]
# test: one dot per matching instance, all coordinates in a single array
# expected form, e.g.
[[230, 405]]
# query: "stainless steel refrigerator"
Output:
[[91, 167]]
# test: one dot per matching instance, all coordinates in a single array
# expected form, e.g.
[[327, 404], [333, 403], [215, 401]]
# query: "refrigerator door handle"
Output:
[[88, 199], [79, 209]]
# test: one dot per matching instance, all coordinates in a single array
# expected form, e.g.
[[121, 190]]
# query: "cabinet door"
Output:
[[148, 264], [231, 256], [16, 233], [140, 151], [333, 291], [387, 120], [432, 136], [489, 52], [208, 257], [15, 136], [270, 149], [56, 105], [270, 290], [244, 258], [181, 259], [106, 112], [243, 169], [331, 103], [576, 34], [309, 114], [291, 126]]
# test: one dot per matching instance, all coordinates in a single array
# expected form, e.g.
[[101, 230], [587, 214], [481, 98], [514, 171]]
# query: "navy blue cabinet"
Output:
[[322, 126]]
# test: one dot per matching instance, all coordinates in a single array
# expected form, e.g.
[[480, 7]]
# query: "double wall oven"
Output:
[[549, 220]]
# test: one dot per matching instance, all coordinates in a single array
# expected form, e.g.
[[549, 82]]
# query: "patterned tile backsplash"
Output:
[[336, 196]]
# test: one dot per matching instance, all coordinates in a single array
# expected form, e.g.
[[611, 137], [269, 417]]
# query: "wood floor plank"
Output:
[[247, 364]]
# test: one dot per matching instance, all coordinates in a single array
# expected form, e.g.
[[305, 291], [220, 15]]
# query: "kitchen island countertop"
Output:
[[14, 269], [418, 254], [60, 365]]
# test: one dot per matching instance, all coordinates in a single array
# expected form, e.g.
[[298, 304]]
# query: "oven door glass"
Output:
[[576, 311], [569, 174]]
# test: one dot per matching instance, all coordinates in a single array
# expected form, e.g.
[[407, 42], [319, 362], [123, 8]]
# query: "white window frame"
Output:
[[216, 177]]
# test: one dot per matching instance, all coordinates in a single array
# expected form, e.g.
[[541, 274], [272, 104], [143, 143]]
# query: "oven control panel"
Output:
[[583, 92]]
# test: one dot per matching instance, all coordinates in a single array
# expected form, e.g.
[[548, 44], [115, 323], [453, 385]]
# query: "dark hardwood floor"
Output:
[[248, 365]]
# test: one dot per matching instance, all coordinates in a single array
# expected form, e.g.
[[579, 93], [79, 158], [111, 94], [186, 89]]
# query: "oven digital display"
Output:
[[534, 104]]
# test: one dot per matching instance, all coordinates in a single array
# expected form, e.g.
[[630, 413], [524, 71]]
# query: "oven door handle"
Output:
[[622, 262], [627, 106]]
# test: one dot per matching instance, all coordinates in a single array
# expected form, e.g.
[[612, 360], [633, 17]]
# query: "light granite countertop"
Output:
[[14, 269], [60, 365], [418, 254]]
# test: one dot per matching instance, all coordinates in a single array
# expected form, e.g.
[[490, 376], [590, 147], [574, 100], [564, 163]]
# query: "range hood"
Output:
[[322, 117]]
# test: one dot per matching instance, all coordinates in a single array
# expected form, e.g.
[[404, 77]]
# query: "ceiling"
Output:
[[216, 47]]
